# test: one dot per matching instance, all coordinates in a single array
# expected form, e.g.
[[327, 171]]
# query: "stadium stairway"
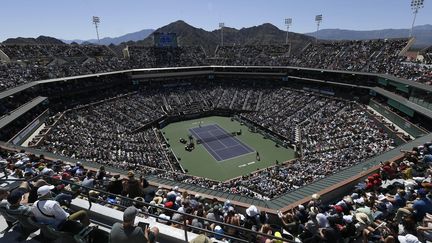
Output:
[[411, 42], [244, 107], [305, 48], [115, 50], [297, 132], [259, 101], [4, 57], [233, 99]]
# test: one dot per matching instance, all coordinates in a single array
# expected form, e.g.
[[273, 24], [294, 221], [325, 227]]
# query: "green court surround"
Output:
[[200, 163]]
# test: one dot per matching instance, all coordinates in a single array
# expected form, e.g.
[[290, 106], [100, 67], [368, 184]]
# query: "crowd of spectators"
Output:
[[44, 199], [106, 132], [152, 57], [392, 205], [39, 62], [346, 135], [252, 55], [376, 56], [103, 133]]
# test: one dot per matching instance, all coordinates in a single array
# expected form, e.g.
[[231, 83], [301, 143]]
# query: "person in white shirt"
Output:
[[47, 170], [48, 211]]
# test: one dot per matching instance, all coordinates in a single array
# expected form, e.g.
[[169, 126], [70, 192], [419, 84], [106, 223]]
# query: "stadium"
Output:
[[299, 139]]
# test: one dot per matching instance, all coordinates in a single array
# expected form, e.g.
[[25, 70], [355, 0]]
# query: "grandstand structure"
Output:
[[35, 106], [378, 86]]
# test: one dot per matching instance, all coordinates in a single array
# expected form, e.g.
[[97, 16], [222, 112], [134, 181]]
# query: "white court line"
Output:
[[238, 156], [217, 139], [244, 165], [218, 128], [218, 160], [222, 149], [206, 130], [236, 139]]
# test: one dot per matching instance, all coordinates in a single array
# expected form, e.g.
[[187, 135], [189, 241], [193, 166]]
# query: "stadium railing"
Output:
[[250, 235], [244, 234], [3, 170], [409, 127]]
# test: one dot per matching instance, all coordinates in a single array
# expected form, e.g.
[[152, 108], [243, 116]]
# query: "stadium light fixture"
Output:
[[318, 20], [221, 26], [415, 6], [96, 22], [288, 22]]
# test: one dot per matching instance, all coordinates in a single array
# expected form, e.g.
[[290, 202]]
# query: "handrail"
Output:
[[3, 169], [399, 116], [18, 180], [30, 124], [12, 111], [88, 189]]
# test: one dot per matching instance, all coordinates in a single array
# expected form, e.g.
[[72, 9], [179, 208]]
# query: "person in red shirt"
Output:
[[387, 172]]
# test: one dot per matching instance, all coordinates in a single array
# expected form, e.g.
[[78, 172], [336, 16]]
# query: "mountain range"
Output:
[[135, 36], [39, 40], [264, 34], [257, 35], [423, 34]]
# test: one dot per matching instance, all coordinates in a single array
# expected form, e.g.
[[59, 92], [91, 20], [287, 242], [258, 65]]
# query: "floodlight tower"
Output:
[[96, 22], [288, 22], [221, 26], [415, 6], [318, 20]]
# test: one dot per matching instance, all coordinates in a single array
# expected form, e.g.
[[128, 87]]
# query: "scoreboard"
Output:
[[165, 39]]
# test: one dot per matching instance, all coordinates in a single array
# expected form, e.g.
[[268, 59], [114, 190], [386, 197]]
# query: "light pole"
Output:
[[221, 26], [288, 22], [96, 22], [318, 20], [415, 6]]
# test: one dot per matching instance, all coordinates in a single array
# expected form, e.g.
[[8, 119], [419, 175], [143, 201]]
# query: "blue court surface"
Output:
[[219, 143]]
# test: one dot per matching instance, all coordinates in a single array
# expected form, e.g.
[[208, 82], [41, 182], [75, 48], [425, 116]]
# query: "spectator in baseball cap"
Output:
[[129, 232], [48, 211]]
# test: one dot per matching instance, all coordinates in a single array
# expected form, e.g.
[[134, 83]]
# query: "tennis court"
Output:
[[237, 159], [219, 143]]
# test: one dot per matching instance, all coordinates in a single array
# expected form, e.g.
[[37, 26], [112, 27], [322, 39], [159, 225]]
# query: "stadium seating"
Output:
[[380, 198], [39, 62], [331, 135], [105, 133]]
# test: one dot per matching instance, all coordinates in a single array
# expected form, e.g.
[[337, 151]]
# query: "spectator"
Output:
[[50, 212], [4, 206], [128, 232]]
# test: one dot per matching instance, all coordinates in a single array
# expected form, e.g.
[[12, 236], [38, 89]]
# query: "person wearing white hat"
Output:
[[252, 216], [322, 220], [252, 211], [409, 238], [48, 211]]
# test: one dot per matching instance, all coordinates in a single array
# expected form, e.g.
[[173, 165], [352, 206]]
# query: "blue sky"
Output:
[[72, 19]]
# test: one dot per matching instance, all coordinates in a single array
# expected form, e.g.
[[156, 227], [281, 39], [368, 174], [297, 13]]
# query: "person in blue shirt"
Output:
[[398, 200], [422, 205]]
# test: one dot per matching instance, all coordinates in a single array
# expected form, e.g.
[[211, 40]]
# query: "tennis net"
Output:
[[213, 138]]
